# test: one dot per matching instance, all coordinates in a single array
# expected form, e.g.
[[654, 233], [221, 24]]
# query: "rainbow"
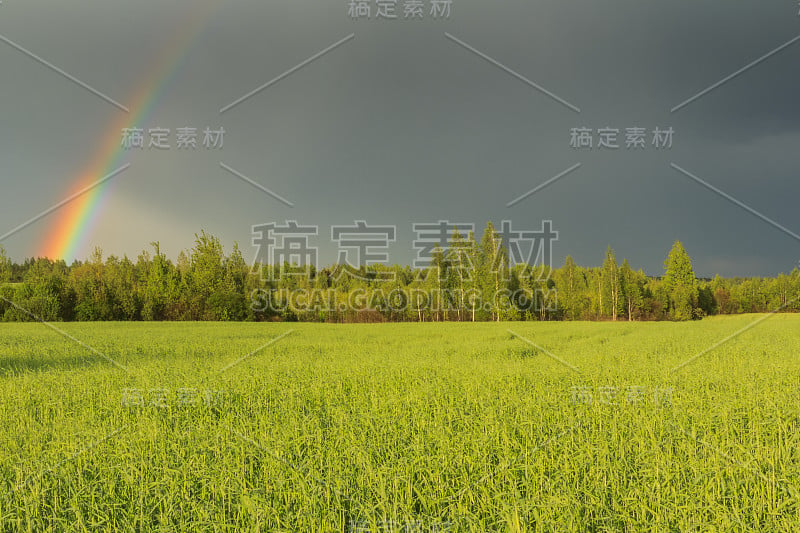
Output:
[[74, 222]]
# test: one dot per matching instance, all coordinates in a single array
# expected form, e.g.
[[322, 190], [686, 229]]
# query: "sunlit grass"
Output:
[[336, 427]]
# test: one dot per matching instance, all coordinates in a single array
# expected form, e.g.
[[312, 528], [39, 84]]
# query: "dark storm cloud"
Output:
[[402, 124]]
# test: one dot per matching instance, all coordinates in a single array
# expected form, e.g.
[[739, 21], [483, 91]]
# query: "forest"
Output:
[[468, 281]]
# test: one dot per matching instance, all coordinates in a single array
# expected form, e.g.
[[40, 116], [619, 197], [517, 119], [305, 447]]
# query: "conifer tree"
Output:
[[680, 283]]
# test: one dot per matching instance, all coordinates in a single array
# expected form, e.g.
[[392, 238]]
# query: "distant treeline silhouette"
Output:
[[468, 281]]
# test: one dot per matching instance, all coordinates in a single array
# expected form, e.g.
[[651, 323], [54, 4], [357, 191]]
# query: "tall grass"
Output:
[[384, 427]]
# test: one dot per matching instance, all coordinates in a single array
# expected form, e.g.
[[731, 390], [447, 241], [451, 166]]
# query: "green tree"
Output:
[[493, 272], [610, 285], [120, 282], [35, 301], [680, 283], [228, 301], [5, 267], [472, 273], [206, 273], [566, 283], [161, 293], [460, 272], [631, 289], [93, 298], [434, 283]]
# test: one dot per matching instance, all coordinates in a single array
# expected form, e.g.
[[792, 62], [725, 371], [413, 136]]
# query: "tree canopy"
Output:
[[467, 281]]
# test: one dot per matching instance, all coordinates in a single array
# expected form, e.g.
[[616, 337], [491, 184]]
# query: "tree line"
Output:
[[467, 281]]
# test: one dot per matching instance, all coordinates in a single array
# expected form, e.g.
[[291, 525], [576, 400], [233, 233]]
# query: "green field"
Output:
[[448, 427]]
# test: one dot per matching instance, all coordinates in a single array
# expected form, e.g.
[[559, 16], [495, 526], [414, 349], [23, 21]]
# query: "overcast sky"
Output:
[[404, 124]]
